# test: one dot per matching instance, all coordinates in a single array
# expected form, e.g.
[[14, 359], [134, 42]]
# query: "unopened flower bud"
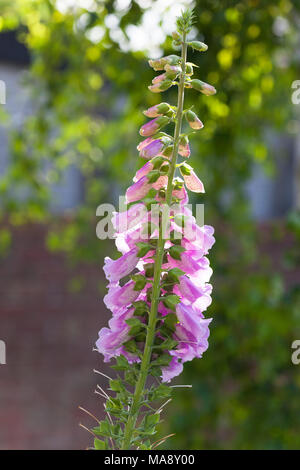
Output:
[[193, 120], [168, 151], [144, 143], [176, 45], [153, 126], [184, 148], [172, 70], [176, 36], [157, 110], [164, 168], [158, 64], [160, 86], [172, 59], [199, 46], [152, 149], [203, 87], [160, 78], [189, 69], [153, 176]]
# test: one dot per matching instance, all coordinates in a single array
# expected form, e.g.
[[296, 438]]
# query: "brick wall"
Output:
[[49, 335]]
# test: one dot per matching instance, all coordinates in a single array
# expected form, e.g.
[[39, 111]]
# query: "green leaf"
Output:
[[168, 344], [130, 377], [149, 269], [170, 301], [151, 421], [174, 274], [176, 237], [99, 445], [116, 385], [175, 251], [157, 162], [153, 176], [159, 393], [143, 247], [131, 345], [163, 360], [122, 363], [103, 429], [140, 281], [135, 326]]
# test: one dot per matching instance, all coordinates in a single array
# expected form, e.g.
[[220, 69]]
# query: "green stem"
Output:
[[140, 385]]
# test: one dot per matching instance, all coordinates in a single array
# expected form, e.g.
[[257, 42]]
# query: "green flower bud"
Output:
[[149, 269], [185, 169], [189, 69], [203, 87], [160, 86], [193, 120], [172, 70], [158, 64], [199, 46], [168, 151], [176, 36]]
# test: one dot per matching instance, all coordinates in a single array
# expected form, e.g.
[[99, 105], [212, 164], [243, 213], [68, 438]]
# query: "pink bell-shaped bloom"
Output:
[[138, 190], [121, 267], [119, 297], [157, 109], [193, 120], [172, 370], [153, 126], [193, 183], [126, 220], [184, 149], [152, 149], [110, 340], [143, 171], [144, 143]]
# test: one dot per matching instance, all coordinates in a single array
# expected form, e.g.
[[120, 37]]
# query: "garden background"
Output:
[[76, 77]]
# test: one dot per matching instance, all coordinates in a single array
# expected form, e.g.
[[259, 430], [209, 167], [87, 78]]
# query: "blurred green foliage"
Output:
[[88, 97]]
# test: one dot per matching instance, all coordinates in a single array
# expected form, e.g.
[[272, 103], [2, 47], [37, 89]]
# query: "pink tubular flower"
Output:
[[197, 295], [150, 127], [191, 266], [157, 110], [141, 188], [119, 297], [203, 87], [143, 171], [184, 148], [138, 190], [181, 194], [172, 370], [116, 270], [160, 86], [152, 149], [192, 333], [193, 120], [123, 221], [193, 183], [144, 143], [153, 126], [159, 78], [111, 339]]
